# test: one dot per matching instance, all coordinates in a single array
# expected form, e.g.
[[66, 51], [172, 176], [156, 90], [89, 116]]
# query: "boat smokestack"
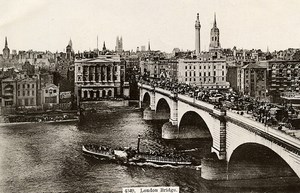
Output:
[[138, 145]]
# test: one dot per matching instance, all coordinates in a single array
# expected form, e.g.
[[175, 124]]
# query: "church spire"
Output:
[[149, 46], [215, 20], [70, 43], [104, 47], [214, 36], [6, 45]]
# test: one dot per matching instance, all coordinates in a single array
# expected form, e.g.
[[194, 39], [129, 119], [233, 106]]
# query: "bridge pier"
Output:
[[214, 169], [169, 131]]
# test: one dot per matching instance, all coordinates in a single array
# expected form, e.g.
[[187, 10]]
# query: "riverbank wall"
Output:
[[87, 105]]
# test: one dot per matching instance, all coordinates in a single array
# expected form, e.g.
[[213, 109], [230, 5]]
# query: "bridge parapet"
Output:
[[219, 112], [163, 91], [270, 133], [146, 86]]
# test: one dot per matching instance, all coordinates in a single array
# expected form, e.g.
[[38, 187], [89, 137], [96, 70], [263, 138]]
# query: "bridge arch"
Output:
[[256, 160], [162, 106], [194, 126], [146, 100]]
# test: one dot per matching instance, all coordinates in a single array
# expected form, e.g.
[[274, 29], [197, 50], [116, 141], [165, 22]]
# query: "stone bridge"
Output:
[[234, 138]]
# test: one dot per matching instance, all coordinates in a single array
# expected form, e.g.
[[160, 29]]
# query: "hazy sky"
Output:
[[49, 24]]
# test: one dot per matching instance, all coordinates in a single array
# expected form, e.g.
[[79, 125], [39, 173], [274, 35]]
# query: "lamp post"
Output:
[[138, 144]]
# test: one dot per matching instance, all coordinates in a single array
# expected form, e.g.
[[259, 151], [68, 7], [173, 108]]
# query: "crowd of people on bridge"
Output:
[[265, 112]]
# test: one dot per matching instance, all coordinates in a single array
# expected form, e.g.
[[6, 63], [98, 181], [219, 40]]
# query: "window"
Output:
[[18, 86], [199, 73], [194, 73], [204, 67], [200, 67], [32, 86], [28, 93], [8, 103], [23, 93], [28, 85], [19, 93], [185, 73], [46, 91], [78, 68], [32, 93], [208, 73], [23, 85], [185, 67], [54, 91], [204, 73], [50, 99]]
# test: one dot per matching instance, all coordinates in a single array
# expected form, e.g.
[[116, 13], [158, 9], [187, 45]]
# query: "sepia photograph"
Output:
[[139, 96]]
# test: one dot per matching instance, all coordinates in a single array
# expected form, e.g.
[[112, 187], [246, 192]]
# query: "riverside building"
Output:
[[101, 77]]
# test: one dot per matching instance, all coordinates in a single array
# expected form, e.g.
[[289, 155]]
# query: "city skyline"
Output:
[[48, 25]]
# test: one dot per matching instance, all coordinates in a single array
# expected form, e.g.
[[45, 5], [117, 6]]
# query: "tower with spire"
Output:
[[197, 36], [69, 50], [6, 50], [214, 36]]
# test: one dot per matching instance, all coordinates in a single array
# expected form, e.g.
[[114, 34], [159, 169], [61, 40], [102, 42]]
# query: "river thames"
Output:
[[47, 157]]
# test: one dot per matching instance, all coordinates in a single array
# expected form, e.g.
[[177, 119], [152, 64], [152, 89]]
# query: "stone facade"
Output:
[[27, 91], [254, 81], [101, 77], [203, 73]]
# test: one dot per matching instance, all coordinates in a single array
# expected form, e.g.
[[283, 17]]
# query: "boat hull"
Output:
[[102, 155], [122, 157]]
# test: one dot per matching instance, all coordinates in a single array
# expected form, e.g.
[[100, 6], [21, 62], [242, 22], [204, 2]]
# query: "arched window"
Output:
[[109, 93]]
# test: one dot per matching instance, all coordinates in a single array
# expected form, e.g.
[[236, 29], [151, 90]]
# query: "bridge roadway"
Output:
[[229, 131]]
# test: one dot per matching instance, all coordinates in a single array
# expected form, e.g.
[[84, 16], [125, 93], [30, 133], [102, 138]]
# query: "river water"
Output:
[[47, 157]]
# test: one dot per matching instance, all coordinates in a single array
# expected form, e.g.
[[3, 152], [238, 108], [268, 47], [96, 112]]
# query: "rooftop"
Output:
[[100, 59]]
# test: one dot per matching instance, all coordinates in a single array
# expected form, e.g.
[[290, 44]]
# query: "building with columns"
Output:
[[197, 36], [101, 77]]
